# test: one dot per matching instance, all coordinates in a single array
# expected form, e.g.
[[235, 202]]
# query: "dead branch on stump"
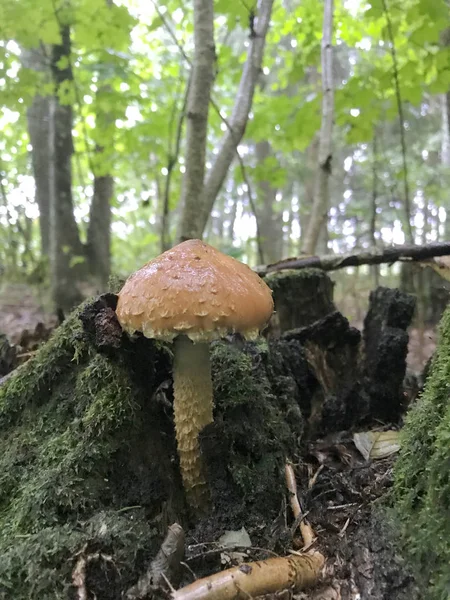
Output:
[[331, 262], [256, 578]]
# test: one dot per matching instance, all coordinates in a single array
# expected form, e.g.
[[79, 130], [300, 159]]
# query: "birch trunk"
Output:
[[197, 118], [197, 206], [319, 208]]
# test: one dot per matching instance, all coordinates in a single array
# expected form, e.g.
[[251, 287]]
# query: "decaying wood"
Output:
[[256, 578], [305, 529], [333, 262], [164, 567]]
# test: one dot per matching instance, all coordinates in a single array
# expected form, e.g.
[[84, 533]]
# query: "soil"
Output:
[[274, 400]]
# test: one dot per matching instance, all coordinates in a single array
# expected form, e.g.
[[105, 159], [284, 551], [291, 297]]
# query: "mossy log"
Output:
[[422, 476]]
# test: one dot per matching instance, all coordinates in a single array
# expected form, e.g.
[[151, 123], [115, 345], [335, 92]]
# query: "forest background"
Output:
[[327, 130]]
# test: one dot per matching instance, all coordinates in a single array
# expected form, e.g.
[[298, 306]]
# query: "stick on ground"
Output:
[[256, 578]]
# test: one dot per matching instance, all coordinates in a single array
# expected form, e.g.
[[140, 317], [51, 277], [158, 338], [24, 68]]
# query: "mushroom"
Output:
[[193, 294]]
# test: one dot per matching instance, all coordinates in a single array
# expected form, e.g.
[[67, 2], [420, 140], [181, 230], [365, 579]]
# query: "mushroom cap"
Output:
[[195, 290]]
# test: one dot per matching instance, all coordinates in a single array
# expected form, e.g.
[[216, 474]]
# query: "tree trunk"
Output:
[[269, 221], [373, 212], [99, 230], [321, 189], [197, 208], [38, 119], [445, 148], [197, 118], [66, 250]]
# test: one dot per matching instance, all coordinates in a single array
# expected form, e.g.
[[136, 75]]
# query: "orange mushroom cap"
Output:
[[195, 290]]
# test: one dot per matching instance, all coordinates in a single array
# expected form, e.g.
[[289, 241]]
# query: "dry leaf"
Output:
[[377, 444]]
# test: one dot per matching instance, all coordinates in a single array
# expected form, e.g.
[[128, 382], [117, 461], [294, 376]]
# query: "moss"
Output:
[[422, 476], [65, 418], [251, 420]]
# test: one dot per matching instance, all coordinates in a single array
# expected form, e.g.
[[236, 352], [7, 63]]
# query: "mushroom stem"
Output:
[[193, 410]]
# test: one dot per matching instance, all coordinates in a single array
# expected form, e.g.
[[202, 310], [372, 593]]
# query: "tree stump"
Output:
[[385, 350], [300, 297]]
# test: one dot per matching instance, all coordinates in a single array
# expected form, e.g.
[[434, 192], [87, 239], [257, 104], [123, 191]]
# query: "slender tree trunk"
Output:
[[197, 208], [445, 148], [38, 119], [197, 118], [99, 229], [373, 212], [321, 189], [66, 250], [233, 214], [269, 221]]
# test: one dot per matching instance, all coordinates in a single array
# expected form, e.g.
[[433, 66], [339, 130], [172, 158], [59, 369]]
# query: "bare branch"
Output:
[[333, 262]]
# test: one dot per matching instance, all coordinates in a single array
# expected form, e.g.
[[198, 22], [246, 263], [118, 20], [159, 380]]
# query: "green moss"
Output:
[[251, 418], [422, 476], [64, 417]]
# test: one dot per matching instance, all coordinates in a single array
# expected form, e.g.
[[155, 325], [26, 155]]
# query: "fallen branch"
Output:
[[332, 262], [256, 578]]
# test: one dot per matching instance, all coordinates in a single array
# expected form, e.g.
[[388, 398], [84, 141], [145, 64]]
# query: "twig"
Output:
[[305, 529], [79, 572]]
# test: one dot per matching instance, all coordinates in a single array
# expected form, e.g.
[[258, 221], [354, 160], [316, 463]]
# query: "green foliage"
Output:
[[129, 87], [422, 476]]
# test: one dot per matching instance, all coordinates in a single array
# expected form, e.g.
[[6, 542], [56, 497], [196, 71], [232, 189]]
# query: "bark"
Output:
[[38, 117], [38, 120], [99, 229], [373, 216], [270, 222], [65, 244], [197, 118], [198, 208], [445, 147], [333, 262], [321, 189], [249, 580]]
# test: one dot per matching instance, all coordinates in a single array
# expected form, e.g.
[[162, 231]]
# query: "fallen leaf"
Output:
[[377, 444]]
